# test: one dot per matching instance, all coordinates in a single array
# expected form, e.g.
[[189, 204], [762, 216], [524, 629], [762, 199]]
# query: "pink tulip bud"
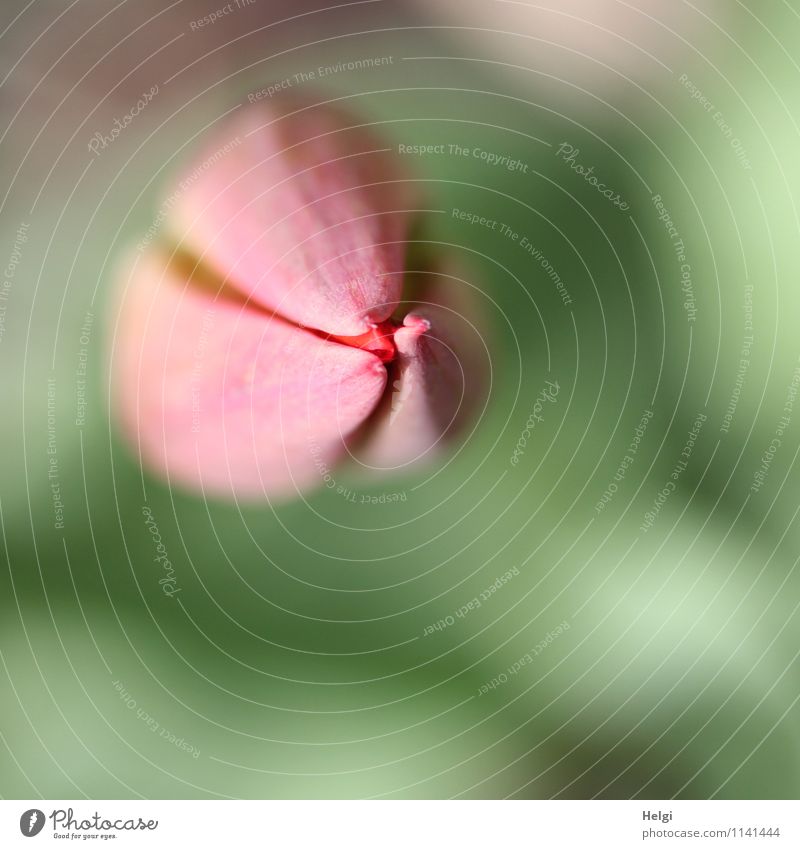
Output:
[[262, 337]]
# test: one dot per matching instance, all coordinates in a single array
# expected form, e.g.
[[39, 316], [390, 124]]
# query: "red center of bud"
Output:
[[378, 340]]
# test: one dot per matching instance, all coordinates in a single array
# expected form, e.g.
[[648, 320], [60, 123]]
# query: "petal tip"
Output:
[[417, 323]]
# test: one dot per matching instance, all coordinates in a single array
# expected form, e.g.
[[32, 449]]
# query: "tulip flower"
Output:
[[262, 337]]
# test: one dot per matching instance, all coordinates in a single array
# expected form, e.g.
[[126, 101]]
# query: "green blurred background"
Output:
[[300, 658]]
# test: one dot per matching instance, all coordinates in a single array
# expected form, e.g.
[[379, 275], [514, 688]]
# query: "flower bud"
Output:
[[264, 337]]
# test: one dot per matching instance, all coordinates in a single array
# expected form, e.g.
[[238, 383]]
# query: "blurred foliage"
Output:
[[295, 657]]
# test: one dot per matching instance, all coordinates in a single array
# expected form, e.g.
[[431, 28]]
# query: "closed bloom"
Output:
[[265, 332]]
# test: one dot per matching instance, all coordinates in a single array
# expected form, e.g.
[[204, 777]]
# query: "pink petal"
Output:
[[438, 379], [301, 215], [225, 396]]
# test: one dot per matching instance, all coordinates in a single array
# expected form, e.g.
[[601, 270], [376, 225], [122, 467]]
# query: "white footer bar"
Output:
[[401, 824]]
